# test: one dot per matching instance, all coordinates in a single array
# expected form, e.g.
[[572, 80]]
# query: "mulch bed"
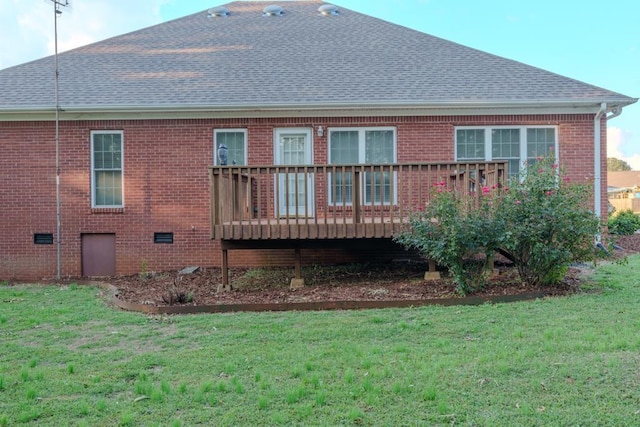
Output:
[[396, 282]]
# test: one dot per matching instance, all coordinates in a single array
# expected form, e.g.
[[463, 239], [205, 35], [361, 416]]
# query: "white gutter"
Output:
[[597, 148]]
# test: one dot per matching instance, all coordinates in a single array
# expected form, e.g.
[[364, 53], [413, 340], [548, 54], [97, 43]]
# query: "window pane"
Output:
[[470, 144], [540, 142], [505, 145], [235, 142], [343, 147], [378, 146], [293, 149], [108, 191], [342, 188], [377, 184]]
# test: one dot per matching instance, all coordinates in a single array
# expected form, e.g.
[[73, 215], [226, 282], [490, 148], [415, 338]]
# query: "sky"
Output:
[[589, 40]]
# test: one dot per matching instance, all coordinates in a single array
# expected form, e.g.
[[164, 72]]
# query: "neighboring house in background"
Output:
[[361, 116], [624, 190]]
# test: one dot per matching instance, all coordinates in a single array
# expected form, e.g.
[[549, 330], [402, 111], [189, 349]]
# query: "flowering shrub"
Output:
[[548, 223], [542, 223], [457, 231]]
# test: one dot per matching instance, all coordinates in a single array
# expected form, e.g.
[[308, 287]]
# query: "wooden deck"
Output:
[[312, 206], [333, 201]]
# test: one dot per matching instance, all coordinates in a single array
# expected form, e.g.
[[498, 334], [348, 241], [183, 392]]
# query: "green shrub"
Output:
[[548, 223], [624, 223], [542, 222], [457, 231]]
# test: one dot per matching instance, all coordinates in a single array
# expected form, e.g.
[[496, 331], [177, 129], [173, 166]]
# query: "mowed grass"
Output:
[[66, 358]]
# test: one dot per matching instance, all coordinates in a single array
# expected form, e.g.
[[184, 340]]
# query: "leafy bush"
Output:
[[542, 223], [624, 223], [548, 223], [457, 231]]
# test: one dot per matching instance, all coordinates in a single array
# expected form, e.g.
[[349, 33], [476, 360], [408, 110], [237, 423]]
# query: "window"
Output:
[[515, 144], [106, 169], [236, 142], [362, 145]]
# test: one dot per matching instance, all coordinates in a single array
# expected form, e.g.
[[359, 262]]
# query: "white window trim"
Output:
[[488, 152], [93, 175], [225, 130], [361, 152]]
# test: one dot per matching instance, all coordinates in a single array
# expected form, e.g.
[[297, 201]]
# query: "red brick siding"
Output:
[[166, 185]]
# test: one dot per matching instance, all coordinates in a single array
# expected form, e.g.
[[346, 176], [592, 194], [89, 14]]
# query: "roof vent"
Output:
[[272, 10], [216, 12], [328, 10]]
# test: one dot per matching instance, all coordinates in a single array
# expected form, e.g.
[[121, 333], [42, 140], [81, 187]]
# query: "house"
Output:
[[624, 190], [332, 124]]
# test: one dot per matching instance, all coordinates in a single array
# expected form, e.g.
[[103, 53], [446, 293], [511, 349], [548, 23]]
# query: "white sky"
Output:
[[592, 41]]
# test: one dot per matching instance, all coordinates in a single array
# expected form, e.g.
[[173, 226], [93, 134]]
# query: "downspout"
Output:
[[597, 148]]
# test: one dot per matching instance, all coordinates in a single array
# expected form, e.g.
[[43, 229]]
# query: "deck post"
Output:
[[225, 286], [432, 274], [297, 282]]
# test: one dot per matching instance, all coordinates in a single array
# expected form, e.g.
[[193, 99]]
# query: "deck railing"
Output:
[[333, 201]]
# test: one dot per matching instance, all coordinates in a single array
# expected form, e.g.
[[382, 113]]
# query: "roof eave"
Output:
[[339, 109]]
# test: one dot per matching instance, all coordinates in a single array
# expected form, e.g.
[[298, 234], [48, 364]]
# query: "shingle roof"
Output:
[[299, 59], [623, 179]]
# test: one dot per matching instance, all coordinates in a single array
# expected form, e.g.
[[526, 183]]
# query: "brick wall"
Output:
[[167, 189]]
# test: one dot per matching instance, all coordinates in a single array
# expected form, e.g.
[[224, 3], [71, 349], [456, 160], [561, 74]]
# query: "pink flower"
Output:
[[548, 193], [485, 190], [554, 166], [540, 170], [518, 202], [566, 179]]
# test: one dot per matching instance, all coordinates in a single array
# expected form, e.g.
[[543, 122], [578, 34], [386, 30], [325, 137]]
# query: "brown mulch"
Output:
[[393, 282]]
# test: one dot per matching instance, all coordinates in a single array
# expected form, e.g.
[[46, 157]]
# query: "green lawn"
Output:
[[68, 359]]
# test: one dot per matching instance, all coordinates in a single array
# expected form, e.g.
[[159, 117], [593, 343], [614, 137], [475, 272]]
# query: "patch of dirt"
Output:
[[362, 282]]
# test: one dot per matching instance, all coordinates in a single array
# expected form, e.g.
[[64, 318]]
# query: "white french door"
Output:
[[293, 146]]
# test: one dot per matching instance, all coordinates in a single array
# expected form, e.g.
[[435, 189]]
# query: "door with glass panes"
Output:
[[294, 146]]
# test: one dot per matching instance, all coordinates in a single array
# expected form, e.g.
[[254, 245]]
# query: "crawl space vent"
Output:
[[162, 237], [43, 239]]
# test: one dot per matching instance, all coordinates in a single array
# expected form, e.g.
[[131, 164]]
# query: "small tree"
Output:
[[548, 223], [457, 231], [615, 165]]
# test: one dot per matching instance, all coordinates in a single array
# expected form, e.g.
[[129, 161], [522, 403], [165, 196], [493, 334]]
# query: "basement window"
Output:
[[163, 237], [43, 239]]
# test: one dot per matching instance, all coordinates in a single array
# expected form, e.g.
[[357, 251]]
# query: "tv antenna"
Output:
[[57, 11]]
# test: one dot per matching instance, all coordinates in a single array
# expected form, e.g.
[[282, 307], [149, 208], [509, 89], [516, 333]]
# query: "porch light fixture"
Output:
[[320, 131]]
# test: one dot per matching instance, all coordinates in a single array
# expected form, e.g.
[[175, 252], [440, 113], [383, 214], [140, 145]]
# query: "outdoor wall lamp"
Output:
[[320, 131]]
